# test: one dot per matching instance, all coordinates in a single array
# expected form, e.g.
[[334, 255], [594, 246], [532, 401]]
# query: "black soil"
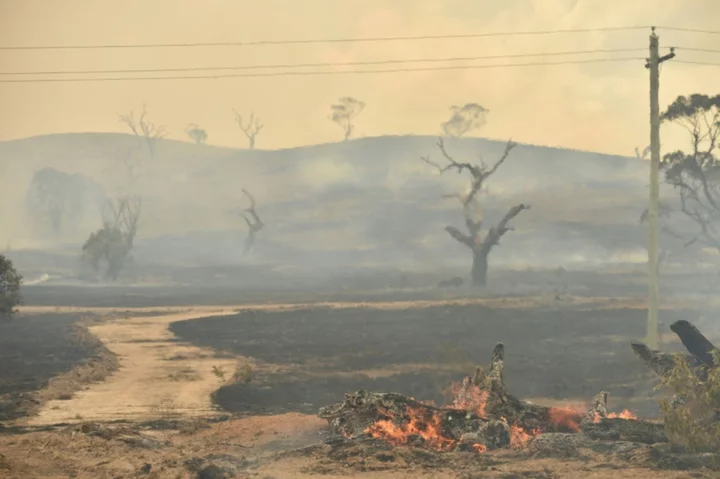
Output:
[[560, 354], [33, 349]]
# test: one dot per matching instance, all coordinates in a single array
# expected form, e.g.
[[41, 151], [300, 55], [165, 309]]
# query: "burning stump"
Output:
[[483, 416]]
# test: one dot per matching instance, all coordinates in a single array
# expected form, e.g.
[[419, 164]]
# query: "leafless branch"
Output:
[[144, 130], [254, 226], [251, 129]]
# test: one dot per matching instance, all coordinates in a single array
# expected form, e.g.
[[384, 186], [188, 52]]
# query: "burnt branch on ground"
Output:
[[482, 416]]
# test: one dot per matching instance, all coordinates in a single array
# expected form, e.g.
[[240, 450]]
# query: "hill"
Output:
[[366, 201]]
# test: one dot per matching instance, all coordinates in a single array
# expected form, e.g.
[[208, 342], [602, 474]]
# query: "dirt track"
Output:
[[157, 375]]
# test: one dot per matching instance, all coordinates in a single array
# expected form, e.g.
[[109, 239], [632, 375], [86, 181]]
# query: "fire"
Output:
[[625, 414], [470, 398], [429, 429], [479, 448], [519, 437], [566, 417]]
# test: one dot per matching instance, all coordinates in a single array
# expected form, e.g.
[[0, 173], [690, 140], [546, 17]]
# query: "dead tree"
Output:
[[251, 129], [145, 131], [344, 113], [480, 247], [254, 224]]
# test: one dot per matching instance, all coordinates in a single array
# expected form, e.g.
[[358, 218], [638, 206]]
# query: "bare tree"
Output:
[[196, 134], [251, 129], [344, 113], [472, 212], [464, 119], [254, 224], [130, 166], [672, 242], [145, 131], [696, 174], [115, 240]]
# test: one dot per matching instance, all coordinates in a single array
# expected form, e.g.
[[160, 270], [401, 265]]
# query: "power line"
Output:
[[308, 73], [319, 41], [691, 30], [690, 49], [696, 63], [327, 64]]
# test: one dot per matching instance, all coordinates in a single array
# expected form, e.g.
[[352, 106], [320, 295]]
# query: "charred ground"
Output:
[[558, 353]]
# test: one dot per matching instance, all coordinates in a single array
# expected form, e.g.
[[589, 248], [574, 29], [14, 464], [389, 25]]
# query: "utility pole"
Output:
[[653, 64]]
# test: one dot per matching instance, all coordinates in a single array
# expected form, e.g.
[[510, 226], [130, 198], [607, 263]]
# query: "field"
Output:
[[170, 391]]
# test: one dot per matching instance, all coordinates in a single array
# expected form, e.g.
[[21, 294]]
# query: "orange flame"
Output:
[[430, 430], [625, 414], [519, 437], [479, 448], [470, 398], [567, 417]]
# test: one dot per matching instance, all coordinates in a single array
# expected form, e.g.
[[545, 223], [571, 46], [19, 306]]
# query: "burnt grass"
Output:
[[553, 354], [33, 349]]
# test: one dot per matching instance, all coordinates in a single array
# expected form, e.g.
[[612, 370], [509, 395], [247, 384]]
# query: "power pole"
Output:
[[653, 64]]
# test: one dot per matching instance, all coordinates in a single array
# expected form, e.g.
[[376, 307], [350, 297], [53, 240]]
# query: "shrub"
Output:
[[9, 288], [693, 418]]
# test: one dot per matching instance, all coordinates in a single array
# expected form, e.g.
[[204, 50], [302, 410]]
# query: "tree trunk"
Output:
[[480, 266]]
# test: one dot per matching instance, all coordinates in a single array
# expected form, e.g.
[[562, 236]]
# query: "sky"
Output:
[[598, 106]]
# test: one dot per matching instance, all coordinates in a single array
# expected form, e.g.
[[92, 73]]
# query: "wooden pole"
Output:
[[653, 64], [651, 338]]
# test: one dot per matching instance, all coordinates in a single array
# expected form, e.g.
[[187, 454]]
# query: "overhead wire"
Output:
[[319, 40], [326, 64], [325, 72]]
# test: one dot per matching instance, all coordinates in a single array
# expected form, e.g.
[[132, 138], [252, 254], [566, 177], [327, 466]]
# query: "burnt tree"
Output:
[[145, 131], [251, 129], [472, 211], [254, 223]]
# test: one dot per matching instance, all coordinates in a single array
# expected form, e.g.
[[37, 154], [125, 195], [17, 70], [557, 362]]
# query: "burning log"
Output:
[[482, 416]]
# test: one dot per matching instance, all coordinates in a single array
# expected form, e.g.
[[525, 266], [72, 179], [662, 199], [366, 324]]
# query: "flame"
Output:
[[567, 417], [429, 429], [519, 437], [625, 414], [469, 397], [479, 448]]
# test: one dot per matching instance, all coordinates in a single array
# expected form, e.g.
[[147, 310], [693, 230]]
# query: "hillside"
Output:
[[367, 201]]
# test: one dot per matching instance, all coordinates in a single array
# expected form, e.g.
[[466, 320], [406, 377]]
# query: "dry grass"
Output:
[[695, 421]]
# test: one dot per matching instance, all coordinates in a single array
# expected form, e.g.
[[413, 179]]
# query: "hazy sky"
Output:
[[601, 107]]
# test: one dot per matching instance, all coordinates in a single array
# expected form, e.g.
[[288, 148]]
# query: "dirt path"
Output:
[[157, 376]]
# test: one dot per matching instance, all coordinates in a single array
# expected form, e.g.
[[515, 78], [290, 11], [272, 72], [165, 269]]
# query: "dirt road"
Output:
[[157, 376]]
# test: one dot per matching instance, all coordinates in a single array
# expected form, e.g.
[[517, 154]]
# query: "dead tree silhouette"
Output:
[[254, 225]]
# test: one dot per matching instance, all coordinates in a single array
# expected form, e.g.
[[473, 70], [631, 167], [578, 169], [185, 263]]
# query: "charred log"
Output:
[[694, 341], [699, 359], [483, 416]]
